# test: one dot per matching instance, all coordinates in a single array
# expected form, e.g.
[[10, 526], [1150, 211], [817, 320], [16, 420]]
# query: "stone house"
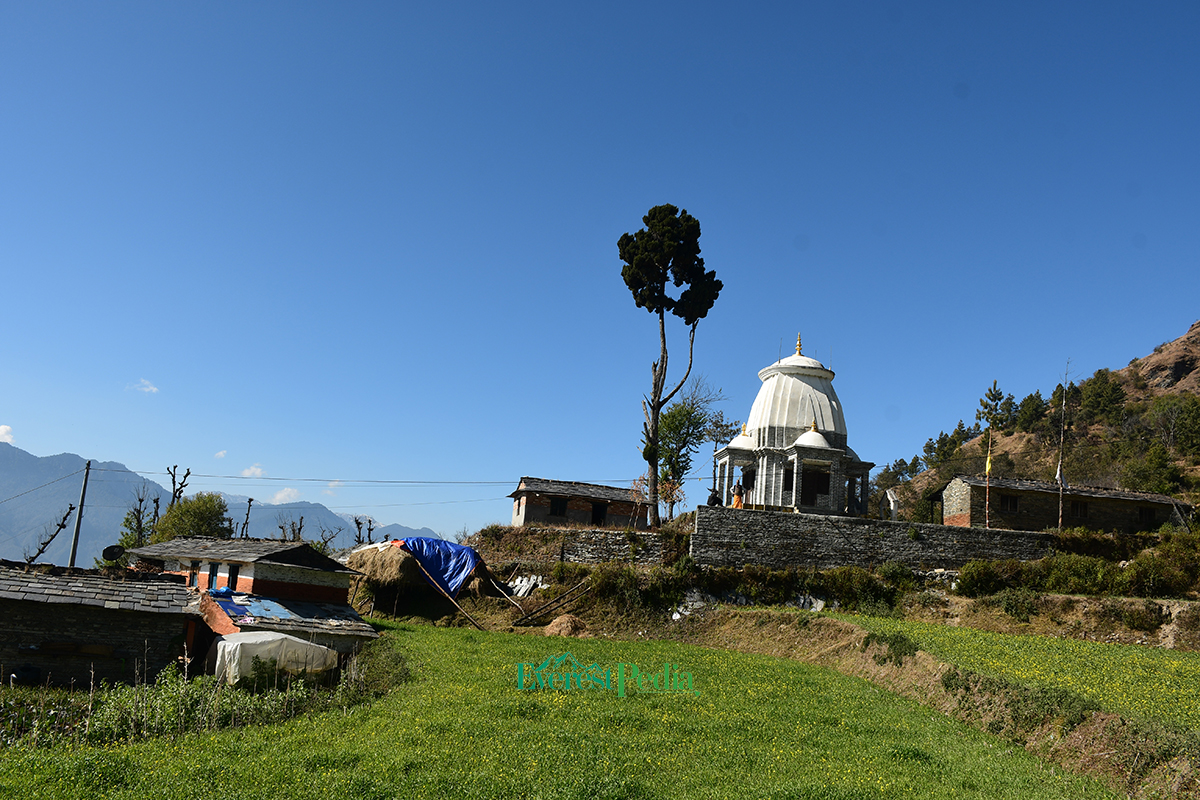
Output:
[[542, 500], [75, 626], [1027, 505]]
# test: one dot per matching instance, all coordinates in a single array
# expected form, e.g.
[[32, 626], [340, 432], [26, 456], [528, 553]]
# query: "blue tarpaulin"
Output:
[[447, 564]]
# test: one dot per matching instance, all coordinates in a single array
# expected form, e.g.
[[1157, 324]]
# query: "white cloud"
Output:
[[331, 488], [145, 386], [255, 471], [220, 454], [286, 496], [6, 433]]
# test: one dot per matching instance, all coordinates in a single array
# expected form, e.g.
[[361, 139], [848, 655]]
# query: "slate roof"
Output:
[[1022, 485], [245, 551], [253, 612], [589, 491], [134, 591]]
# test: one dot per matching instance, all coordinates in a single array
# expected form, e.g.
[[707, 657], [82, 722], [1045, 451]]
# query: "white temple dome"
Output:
[[812, 438], [796, 391]]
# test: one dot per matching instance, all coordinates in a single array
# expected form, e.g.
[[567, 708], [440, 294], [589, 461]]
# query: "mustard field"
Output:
[[1142, 683], [738, 726]]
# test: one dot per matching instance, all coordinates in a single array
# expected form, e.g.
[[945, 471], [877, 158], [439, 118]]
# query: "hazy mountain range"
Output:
[[35, 492]]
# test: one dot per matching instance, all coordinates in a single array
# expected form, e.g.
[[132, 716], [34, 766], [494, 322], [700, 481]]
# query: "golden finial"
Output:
[[814, 424], [744, 429], [797, 344]]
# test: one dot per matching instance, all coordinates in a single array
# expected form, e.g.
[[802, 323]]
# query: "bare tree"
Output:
[[289, 529], [48, 536], [328, 535], [370, 527], [246, 524], [177, 486], [358, 537]]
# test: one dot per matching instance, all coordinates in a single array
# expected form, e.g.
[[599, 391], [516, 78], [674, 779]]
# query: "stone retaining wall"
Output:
[[728, 537], [599, 546]]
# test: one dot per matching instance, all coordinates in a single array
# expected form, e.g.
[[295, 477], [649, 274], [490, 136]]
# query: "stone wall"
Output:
[[69, 643], [599, 546], [730, 537]]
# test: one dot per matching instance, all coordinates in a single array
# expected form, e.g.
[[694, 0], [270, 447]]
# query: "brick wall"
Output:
[[732, 538], [67, 642]]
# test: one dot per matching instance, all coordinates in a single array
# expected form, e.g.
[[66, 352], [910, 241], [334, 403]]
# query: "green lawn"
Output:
[[760, 727], [1143, 683]]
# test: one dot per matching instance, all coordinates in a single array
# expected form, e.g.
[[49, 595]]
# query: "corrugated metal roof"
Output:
[[254, 612]]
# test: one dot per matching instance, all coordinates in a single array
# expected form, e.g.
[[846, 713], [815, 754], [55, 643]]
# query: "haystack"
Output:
[[567, 625], [386, 566]]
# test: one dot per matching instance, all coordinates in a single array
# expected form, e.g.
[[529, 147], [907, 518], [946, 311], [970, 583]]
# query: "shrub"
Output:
[[978, 578], [617, 582], [1020, 603], [1144, 616], [896, 574], [855, 586], [1153, 575], [897, 646], [1068, 573]]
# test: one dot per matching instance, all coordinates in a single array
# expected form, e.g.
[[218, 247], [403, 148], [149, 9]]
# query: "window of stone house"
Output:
[[233, 577], [1009, 503], [789, 478], [213, 569], [194, 574], [1079, 509], [558, 506], [599, 513]]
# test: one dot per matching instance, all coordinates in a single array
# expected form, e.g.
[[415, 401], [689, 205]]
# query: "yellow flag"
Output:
[[989, 464]]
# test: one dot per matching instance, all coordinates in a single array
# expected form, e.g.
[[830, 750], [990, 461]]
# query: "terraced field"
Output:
[[760, 727]]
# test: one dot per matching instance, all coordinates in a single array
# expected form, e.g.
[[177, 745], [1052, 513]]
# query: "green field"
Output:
[[1141, 683], [760, 727]]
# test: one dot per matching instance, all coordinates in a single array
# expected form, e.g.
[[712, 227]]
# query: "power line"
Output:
[[345, 482], [43, 486]]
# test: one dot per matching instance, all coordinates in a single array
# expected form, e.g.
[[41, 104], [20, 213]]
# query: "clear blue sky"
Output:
[[377, 241]]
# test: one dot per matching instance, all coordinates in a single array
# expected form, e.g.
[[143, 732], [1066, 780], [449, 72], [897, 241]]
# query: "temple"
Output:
[[792, 451]]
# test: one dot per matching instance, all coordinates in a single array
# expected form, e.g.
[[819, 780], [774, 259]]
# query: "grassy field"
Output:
[[759, 727], [1141, 683]]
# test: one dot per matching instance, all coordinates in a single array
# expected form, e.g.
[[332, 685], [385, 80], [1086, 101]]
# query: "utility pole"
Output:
[[87, 469]]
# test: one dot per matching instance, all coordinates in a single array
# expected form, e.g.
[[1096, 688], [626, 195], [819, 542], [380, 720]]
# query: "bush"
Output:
[[854, 587], [896, 574], [978, 578], [617, 582], [1144, 616], [1020, 603], [1068, 573]]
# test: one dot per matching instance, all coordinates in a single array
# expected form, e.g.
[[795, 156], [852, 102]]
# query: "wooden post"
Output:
[[87, 469]]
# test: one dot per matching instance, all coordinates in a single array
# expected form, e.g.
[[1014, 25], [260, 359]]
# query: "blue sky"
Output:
[[317, 242]]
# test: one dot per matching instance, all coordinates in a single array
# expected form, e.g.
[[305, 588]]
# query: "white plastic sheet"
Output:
[[231, 657]]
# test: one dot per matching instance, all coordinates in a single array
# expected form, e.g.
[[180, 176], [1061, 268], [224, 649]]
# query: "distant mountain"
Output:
[[35, 491]]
